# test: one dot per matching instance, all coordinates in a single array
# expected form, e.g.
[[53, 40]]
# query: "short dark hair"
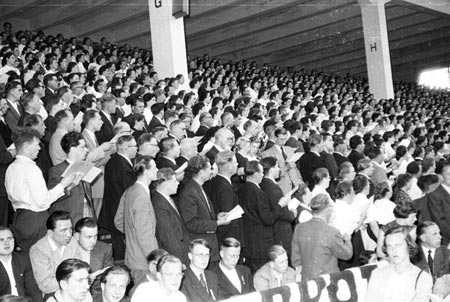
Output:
[[421, 227], [69, 140], [355, 141], [319, 174], [229, 242], [252, 167], [156, 254], [55, 217], [116, 270], [142, 165], [196, 164], [343, 189], [199, 241], [86, 222], [359, 183], [68, 266], [166, 144], [23, 135], [268, 163]]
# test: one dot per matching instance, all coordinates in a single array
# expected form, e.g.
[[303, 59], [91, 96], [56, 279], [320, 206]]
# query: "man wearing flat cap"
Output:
[[316, 245]]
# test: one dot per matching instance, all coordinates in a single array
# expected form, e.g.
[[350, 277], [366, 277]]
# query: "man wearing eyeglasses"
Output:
[[169, 274], [199, 284]]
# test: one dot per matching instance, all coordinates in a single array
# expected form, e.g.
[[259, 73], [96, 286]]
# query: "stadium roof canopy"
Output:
[[325, 35]]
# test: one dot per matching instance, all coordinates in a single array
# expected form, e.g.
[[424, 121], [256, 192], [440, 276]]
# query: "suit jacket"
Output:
[[171, 232], [227, 289], [5, 159], [44, 262], [73, 202], [106, 132], [43, 160], [423, 210], [20, 122], [259, 220], [211, 155], [199, 218], [282, 226], [317, 246], [101, 257], [441, 265], [163, 162], [339, 158], [12, 116], [135, 217], [23, 275], [5, 133], [439, 208], [354, 157], [119, 176], [181, 160], [50, 128], [224, 199], [307, 164], [194, 290], [154, 122], [289, 175], [201, 130]]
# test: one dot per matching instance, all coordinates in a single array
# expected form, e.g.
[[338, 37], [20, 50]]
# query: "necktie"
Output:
[[283, 153], [430, 262], [203, 282]]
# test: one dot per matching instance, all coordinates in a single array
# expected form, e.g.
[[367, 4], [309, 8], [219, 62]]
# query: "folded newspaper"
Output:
[[89, 171]]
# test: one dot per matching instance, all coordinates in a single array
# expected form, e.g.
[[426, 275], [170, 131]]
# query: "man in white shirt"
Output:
[[28, 192], [169, 274]]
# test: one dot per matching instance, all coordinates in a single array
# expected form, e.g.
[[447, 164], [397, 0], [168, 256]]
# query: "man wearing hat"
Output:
[[316, 246]]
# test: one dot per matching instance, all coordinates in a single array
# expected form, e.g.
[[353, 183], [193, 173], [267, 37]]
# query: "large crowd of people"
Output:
[[117, 185]]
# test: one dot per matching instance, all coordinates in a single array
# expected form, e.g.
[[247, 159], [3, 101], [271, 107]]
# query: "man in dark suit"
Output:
[[96, 253], [169, 150], [282, 226], [108, 105], [340, 148], [259, 217], [439, 206], [432, 257], [158, 115], [199, 284], [6, 157], [195, 207], [223, 141], [31, 105], [206, 122], [13, 91], [234, 279], [79, 201], [311, 160], [119, 175], [51, 86], [357, 146], [21, 282], [223, 195], [171, 232]]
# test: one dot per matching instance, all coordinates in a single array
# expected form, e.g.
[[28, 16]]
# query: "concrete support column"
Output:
[[377, 48], [168, 40]]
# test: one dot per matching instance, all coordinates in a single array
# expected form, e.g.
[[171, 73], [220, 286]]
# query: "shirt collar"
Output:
[[144, 186], [226, 177]]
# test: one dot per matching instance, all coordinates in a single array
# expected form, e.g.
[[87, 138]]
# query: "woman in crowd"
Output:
[[400, 281]]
